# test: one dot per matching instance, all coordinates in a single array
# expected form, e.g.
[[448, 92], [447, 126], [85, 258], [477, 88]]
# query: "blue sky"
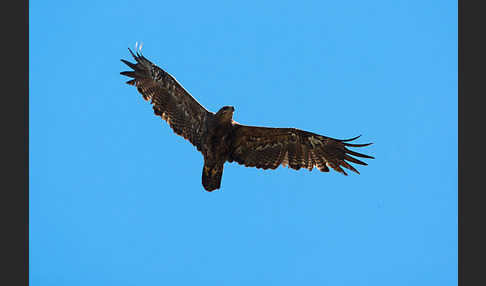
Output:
[[116, 197]]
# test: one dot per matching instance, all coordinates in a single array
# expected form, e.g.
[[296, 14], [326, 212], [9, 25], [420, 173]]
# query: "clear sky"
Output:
[[116, 197]]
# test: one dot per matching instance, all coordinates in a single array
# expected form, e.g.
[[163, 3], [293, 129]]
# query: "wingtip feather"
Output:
[[349, 167], [131, 65], [358, 154], [357, 145], [133, 55], [350, 139]]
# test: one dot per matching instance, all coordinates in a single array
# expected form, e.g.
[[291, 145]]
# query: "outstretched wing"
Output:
[[170, 100], [267, 148]]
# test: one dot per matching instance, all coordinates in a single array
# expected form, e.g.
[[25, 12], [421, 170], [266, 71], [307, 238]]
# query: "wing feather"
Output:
[[268, 148], [187, 117]]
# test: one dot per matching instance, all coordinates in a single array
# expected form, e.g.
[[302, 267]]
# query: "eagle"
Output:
[[220, 139]]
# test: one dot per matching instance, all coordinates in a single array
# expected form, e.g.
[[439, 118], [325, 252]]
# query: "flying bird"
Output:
[[220, 139]]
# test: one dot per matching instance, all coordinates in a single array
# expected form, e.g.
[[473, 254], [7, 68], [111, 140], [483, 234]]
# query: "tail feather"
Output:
[[211, 177]]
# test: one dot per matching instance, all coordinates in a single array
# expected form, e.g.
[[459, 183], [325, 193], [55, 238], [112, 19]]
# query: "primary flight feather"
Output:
[[220, 139]]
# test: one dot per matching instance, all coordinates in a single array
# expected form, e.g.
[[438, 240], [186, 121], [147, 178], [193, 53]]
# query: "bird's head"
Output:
[[225, 113]]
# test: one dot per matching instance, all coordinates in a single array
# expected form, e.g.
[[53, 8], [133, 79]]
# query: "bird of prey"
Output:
[[220, 139]]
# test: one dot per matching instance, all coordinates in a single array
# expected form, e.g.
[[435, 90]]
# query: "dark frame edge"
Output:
[[15, 143]]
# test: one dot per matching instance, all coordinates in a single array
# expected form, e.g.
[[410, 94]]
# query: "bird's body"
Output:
[[217, 148], [220, 139]]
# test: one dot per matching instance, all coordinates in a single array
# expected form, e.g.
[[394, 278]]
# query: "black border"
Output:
[[471, 123], [15, 141]]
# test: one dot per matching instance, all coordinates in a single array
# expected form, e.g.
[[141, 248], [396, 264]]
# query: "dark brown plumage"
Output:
[[220, 139]]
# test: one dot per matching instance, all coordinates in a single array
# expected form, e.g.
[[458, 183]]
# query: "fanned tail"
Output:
[[211, 177]]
